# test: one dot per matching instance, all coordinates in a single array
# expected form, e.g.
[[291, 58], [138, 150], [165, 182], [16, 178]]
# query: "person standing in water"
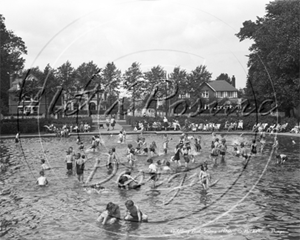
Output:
[[17, 138], [42, 180], [80, 161]]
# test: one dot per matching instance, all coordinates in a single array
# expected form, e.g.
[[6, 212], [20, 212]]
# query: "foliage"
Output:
[[11, 61], [84, 73], [111, 77], [274, 59], [133, 74], [224, 76]]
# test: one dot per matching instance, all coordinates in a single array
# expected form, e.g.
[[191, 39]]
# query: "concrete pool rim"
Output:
[[108, 133]]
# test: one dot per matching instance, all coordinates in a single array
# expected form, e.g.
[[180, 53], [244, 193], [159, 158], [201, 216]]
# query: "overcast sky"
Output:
[[173, 33]]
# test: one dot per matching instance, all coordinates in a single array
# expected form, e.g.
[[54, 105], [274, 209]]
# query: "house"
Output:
[[27, 104], [219, 90], [66, 100]]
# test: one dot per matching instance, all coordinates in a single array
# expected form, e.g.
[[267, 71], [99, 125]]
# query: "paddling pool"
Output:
[[254, 201]]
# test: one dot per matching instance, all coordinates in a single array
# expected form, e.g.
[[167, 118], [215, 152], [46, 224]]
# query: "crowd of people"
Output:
[[174, 125], [160, 161], [66, 129]]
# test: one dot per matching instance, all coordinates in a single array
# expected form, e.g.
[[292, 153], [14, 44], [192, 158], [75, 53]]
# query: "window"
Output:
[[205, 94], [92, 106], [230, 94]]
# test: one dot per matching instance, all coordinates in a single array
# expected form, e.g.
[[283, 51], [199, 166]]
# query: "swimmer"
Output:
[[131, 158], [17, 137], [197, 144], [124, 178], [165, 143], [176, 157], [129, 148], [144, 143], [222, 149], [134, 213], [121, 137], [42, 180], [236, 151], [275, 145], [80, 161], [112, 157], [81, 146], [44, 165], [153, 170], [186, 157], [94, 144], [243, 152], [204, 176], [69, 160], [152, 149], [78, 141], [167, 169], [253, 147], [281, 158], [262, 141], [110, 215], [214, 154]]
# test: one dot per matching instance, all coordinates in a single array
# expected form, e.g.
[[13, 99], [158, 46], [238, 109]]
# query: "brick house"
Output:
[[221, 91], [26, 105]]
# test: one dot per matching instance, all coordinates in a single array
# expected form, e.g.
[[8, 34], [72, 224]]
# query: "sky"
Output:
[[169, 33]]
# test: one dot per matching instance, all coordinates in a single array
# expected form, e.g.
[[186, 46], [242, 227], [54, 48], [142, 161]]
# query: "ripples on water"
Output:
[[64, 210]]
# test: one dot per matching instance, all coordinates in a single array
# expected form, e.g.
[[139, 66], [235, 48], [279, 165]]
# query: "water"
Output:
[[259, 201]]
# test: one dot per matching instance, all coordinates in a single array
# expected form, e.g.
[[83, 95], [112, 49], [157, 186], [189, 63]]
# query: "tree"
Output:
[[196, 78], [156, 76], [132, 75], [11, 49], [274, 59], [84, 73], [111, 79], [179, 76], [65, 75], [224, 76]]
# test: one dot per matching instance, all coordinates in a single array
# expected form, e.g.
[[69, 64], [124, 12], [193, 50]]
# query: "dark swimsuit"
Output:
[[79, 169], [177, 155], [253, 149]]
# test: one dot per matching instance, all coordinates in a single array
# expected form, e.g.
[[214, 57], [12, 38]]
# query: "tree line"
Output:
[[273, 65]]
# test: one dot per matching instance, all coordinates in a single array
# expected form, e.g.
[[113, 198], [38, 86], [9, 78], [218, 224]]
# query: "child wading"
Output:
[[42, 180], [110, 215], [80, 161], [165, 143], [111, 158], [69, 160], [134, 213]]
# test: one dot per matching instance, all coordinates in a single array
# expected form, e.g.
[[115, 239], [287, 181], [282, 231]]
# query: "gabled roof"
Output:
[[221, 85]]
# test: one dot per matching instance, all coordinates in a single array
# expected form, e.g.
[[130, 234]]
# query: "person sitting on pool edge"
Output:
[[134, 213], [110, 215], [42, 180]]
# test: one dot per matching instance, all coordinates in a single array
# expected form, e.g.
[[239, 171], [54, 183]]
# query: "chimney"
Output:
[[233, 80]]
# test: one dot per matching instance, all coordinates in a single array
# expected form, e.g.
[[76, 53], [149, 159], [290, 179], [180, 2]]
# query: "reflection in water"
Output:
[[64, 209]]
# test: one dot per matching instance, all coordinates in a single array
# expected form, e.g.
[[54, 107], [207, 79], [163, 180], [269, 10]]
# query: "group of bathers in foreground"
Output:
[[112, 213], [187, 147]]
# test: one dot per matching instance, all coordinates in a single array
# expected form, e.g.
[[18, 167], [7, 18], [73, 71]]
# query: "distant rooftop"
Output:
[[221, 85]]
